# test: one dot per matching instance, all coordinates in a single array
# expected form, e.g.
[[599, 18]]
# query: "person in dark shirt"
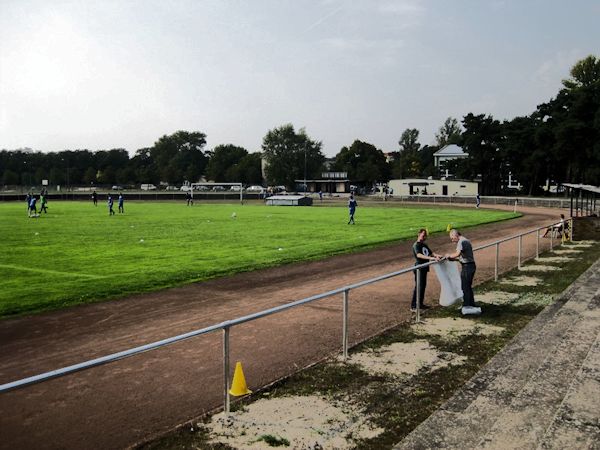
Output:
[[422, 254], [121, 209], [110, 202], [352, 204], [32, 207], [95, 198], [43, 203], [28, 201]]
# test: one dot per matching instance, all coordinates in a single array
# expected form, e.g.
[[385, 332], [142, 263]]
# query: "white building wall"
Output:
[[434, 187]]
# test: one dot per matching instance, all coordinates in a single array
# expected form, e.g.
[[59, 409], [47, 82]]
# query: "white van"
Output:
[[148, 187]]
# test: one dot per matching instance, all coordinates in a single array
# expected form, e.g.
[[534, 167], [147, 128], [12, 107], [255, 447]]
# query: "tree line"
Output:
[[559, 142]]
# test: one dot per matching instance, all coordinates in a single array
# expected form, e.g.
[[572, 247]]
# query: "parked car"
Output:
[[186, 188], [148, 187], [256, 189], [171, 188], [235, 188], [117, 188], [218, 188]]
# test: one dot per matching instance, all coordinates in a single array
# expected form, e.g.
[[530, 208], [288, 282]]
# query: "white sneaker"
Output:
[[468, 310]]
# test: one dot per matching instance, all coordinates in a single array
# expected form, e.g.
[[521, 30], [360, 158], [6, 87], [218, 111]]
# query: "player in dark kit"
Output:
[[111, 211], [121, 209], [28, 201], [95, 198], [43, 203], [32, 207], [352, 204]]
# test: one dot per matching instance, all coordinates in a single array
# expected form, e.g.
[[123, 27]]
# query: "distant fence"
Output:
[[235, 196], [488, 200], [137, 195]]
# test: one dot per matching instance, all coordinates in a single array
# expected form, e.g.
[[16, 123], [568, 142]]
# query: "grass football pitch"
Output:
[[77, 253]]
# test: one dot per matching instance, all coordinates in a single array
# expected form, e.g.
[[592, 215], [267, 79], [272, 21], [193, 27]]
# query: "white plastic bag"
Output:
[[449, 277]]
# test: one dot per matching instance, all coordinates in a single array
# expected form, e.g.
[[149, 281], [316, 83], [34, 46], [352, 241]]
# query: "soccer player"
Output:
[[43, 203], [32, 208], [28, 201], [352, 204], [95, 198], [111, 211], [121, 210]]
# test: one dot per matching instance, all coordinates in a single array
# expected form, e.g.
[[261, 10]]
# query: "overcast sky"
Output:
[[104, 74]]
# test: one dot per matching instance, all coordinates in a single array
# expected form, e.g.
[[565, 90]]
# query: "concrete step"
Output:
[[524, 422], [474, 411], [577, 421]]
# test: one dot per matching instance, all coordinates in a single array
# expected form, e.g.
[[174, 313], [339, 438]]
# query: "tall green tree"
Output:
[[575, 114], [248, 170], [144, 167], [174, 155], [364, 163], [290, 154], [449, 133], [526, 159], [222, 162], [482, 140], [407, 161], [10, 178], [585, 72], [426, 161], [409, 140]]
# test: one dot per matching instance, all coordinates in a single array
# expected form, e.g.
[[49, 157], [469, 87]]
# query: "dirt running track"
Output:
[[135, 399]]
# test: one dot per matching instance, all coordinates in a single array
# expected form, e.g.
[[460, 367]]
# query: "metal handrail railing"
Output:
[[226, 325]]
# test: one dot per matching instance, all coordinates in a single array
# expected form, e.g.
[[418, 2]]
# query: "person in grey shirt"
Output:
[[464, 255]]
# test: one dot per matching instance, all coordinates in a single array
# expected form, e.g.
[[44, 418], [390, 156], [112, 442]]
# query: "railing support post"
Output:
[[345, 326], [226, 402], [520, 250], [552, 238], [537, 244], [497, 261]]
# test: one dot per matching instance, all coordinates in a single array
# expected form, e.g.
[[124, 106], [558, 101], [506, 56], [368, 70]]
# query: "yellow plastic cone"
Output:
[[239, 386], [448, 228], [427, 231]]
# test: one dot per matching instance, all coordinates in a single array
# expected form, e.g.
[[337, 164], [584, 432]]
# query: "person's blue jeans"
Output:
[[467, 274]]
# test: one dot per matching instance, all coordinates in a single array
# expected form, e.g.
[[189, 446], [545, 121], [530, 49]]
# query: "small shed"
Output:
[[288, 200]]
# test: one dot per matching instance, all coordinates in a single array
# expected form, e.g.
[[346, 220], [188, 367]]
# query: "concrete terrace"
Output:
[[542, 391]]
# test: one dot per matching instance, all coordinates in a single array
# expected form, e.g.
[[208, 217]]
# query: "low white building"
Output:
[[421, 186]]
